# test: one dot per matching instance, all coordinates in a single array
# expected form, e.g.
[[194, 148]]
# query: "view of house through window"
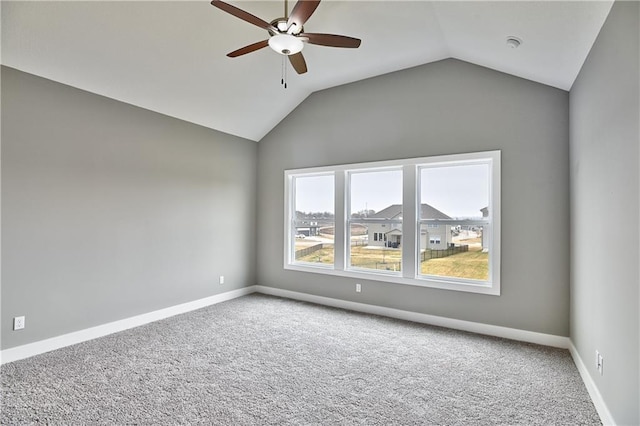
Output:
[[375, 220], [454, 226], [453, 242], [313, 219]]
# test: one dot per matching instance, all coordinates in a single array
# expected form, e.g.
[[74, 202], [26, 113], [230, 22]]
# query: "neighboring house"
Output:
[[307, 228], [311, 224], [433, 236]]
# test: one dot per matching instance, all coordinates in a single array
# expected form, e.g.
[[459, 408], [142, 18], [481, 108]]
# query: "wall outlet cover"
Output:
[[18, 323]]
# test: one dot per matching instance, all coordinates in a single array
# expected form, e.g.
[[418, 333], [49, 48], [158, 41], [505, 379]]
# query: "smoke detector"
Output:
[[513, 42]]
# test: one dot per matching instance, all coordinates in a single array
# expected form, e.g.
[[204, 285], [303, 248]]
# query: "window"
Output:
[[432, 221], [454, 200], [311, 226], [375, 210]]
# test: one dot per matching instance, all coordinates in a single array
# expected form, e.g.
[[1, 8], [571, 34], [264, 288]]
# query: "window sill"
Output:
[[487, 288]]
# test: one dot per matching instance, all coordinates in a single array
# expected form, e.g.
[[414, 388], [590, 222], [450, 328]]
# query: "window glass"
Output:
[[313, 227], [375, 224], [454, 191], [454, 211]]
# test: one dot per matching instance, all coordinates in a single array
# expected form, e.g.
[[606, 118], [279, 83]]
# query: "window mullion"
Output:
[[341, 224], [409, 220]]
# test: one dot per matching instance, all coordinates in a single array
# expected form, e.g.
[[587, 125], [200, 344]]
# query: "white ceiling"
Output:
[[169, 57]]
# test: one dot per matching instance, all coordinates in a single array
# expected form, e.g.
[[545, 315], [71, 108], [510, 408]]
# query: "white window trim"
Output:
[[290, 208], [492, 159], [410, 261]]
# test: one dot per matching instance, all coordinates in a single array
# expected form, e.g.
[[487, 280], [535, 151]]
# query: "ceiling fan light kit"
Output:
[[286, 44], [286, 35]]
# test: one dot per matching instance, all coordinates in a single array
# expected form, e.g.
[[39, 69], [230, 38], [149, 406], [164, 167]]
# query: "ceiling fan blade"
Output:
[[248, 49], [298, 63], [245, 16], [332, 40], [301, 12]]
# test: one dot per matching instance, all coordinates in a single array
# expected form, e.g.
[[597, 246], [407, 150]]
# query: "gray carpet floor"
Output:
[[265, 360]]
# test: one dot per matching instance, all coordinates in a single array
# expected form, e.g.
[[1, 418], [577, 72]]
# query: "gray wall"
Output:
[[441, 108], [109, 210], [604, 111]]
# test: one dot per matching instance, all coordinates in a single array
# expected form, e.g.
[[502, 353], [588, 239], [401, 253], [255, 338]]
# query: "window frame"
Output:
[[290, 211], [482, 221], [410, 274], [382, 236]]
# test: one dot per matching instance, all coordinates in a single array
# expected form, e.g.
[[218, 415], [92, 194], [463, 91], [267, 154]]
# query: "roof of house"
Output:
[[395, 210]]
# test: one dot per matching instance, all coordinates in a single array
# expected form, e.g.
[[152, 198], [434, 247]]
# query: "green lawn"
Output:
[[473, 264]]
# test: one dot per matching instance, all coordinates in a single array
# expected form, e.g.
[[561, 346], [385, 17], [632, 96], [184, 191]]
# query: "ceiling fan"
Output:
[[286, 35]]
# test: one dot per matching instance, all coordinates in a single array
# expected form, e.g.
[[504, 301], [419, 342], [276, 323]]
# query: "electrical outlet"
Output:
[[358, 288], [18, 323], [221, 279]]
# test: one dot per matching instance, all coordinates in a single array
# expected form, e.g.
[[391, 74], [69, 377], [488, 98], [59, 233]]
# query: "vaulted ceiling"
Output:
[[169, 56]]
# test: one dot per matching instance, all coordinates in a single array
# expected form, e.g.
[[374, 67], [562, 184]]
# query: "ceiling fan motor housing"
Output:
[[281, 24]]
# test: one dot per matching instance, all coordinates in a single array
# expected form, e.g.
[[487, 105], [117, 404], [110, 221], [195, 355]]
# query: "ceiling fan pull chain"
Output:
[[282, 73]]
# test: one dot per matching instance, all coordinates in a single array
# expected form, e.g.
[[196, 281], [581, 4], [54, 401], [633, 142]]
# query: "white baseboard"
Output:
[[592, 388], [31, 349], [474, 327], [42, 346]]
